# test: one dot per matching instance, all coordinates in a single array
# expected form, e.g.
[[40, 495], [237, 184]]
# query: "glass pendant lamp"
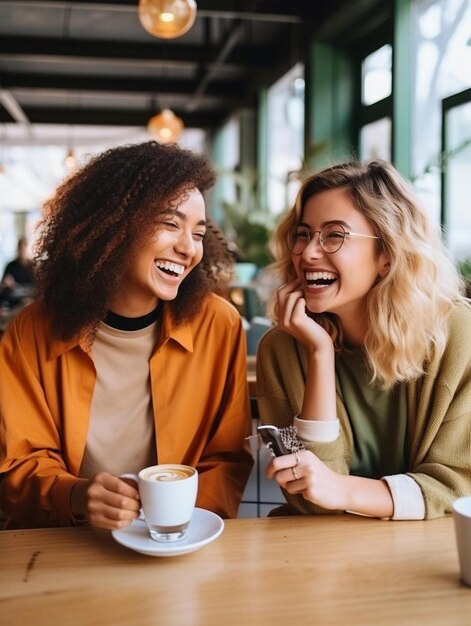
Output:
[[166, 127], [167, 19]]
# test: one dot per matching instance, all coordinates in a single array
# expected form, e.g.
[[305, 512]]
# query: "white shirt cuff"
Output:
[[317, 430], [407, 497]]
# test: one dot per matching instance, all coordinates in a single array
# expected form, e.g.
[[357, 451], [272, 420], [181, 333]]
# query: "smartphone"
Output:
[[271, 436]]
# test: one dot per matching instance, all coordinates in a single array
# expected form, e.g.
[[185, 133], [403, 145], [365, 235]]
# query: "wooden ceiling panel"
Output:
[[65, 61]]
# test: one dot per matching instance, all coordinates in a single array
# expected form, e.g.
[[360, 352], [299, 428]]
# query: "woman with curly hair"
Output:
[[128, 358], [371, 358]]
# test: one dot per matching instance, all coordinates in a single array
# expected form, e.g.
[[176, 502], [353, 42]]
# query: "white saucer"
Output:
[[205, 526]]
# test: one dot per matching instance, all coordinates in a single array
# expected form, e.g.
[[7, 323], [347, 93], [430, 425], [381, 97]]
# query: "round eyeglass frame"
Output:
[[293, 242]]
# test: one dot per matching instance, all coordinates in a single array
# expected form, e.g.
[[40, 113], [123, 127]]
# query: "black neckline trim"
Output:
[[132, 323]]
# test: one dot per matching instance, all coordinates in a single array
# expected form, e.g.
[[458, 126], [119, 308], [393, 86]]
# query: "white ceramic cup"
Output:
[[462, 517], [168, 495]]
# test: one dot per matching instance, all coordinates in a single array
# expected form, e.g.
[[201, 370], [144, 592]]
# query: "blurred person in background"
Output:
[[18, 281]]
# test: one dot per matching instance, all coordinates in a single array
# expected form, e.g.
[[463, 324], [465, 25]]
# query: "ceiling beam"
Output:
[[157, 53], [15, 111], [224, 51], [110, 117], [13, 107], [233, 90], [292, 11]]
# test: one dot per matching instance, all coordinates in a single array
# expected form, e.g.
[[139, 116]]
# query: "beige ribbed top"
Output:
[[121, 435]]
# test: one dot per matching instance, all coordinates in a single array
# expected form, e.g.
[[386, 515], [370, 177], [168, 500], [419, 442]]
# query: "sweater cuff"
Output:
[[407, 497], [317, 430], [61, 497]]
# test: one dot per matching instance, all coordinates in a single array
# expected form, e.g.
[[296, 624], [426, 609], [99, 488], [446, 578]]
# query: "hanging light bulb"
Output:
[[166, 127], [70, 161], [167, 19]]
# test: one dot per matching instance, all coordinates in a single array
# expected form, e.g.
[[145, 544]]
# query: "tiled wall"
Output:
[[261, 495]]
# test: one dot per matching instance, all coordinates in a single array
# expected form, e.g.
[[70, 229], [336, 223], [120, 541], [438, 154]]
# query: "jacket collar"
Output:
[[181, 333]]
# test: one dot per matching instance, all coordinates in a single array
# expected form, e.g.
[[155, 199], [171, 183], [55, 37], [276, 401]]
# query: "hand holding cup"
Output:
[[168, 496]]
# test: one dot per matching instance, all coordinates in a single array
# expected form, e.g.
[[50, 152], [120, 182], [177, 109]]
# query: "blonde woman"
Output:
[[371, 357]]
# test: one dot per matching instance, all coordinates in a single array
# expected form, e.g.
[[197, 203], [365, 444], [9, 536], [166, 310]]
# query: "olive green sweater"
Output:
[[438, 414]]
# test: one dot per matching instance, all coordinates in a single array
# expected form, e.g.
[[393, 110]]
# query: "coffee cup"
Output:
[[462, 518], [168, 495]]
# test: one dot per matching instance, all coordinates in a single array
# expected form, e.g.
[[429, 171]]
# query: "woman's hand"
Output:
[[303, 473], [294, 320], [319, 397], [108, 502]]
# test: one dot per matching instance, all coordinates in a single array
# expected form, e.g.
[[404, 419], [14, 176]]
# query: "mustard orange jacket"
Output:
[[199, 393]]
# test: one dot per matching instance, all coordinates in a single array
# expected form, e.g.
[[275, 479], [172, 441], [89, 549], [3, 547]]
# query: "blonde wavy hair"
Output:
[[407, 309]]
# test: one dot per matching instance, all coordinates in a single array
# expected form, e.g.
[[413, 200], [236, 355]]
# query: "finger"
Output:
[[288, 289], [296, 458], [122, 486], [105, 523], [278, 464], [99, 509], [295, 487], [129, 481], [289, 305], [298, 314], [289, 479], [99, 496], [270, 471], [283, 291]]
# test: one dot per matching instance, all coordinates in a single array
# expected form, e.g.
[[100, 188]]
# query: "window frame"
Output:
[[448, 104]]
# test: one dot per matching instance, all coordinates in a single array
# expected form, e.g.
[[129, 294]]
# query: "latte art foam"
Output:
[[168, 475]]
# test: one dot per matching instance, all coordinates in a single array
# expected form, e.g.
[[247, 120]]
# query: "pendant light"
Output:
[[166, 127], [167, 19], [70, 161]]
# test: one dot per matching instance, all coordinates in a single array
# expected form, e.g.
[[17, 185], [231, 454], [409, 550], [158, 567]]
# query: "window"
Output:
[[376, 103], [456, 216], [375, 140], [376, 75], [441, 68], [286, 136]]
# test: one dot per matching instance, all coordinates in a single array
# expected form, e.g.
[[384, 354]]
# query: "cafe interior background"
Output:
[[270, 89]]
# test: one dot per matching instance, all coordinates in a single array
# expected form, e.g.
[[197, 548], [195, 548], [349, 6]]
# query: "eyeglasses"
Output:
[[331, 238]]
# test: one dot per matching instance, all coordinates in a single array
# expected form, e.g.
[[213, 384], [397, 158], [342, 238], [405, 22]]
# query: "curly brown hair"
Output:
[[99, 216]]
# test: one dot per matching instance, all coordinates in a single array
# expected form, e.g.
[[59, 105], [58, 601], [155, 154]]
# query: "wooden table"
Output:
[[288, 571]]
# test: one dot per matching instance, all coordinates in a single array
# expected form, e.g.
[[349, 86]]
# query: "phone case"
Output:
[[271, 436]]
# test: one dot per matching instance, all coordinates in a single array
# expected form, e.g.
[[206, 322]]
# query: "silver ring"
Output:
[[296, 457], [294, 473]]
